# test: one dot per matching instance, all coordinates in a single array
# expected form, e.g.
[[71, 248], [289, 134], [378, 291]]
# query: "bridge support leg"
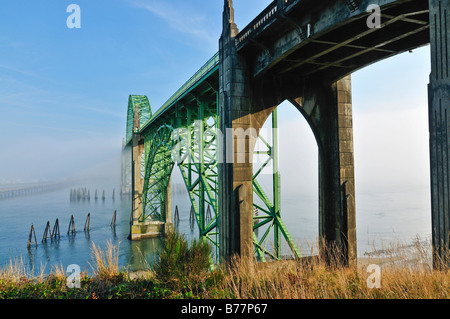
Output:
[[328, 108], [168, 225], [439, 121], [236, 171], [126, 170], [235, 168], [137, 186]]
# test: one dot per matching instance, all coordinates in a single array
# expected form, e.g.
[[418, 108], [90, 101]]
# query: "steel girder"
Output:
[[145, 113], [269, 221], [184, 133], [192, 147]]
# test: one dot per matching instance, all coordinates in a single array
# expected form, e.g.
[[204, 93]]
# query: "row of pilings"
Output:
[[83, 194], [19, 191], [53, 233]]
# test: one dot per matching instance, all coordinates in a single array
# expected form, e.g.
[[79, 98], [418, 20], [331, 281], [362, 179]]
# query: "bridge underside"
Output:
[[329, 41], [303, 51]]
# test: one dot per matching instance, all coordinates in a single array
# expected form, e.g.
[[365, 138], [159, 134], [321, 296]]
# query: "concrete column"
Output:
[[328, 108], [137, 180], [439, 104], [122, 169], [168, 225], [126, 170], [235, 169], [346, 168]]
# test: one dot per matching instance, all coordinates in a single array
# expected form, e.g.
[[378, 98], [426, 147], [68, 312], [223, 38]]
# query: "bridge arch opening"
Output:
[[180, 183], [390, 109], [157, 184], [298, 181]]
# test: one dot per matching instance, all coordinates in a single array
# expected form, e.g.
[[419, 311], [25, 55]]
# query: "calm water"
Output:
[[18, 214], [381, 218]]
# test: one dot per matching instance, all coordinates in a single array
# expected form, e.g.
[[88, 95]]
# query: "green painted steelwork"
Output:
[[183, 133], [212, 66], [192, 147], [145, 113], [270, 219], [158, 168]]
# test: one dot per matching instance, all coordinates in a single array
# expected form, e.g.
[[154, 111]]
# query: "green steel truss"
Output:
[[267, 211], [145, 113], [184, 133], [158, 165]]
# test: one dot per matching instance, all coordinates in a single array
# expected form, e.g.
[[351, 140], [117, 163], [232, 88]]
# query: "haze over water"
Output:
[[377, 225]]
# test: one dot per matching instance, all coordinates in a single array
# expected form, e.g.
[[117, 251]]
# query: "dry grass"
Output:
[[405, 274], [14, 271], [106, 262]]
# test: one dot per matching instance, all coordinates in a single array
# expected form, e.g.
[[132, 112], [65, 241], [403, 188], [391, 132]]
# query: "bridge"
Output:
[[303, 51], [25, 189]]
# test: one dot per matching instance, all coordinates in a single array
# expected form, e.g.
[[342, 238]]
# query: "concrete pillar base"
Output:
[[150, 230]]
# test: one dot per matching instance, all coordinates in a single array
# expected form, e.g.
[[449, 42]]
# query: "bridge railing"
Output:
[[208, 66], [262, 19]]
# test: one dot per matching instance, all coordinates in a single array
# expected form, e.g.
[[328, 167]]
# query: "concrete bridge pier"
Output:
[[439, 121], [167, 211], [137, 181], [235, 179], [125, 178], [328, 109], [140, 229], [245, 104]]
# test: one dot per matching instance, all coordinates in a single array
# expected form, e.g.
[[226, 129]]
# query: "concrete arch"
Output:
[[327, 108], [267, 199]]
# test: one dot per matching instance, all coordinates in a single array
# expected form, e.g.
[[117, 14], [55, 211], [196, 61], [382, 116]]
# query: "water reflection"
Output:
[[105, 222]]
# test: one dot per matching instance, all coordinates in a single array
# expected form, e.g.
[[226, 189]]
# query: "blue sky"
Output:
[[63, 92]]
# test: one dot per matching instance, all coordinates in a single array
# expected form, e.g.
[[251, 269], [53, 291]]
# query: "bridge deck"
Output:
[[338, 50], [9, 191], [203, 73]]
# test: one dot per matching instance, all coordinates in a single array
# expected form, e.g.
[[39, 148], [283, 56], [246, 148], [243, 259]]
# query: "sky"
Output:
[[64, 92]]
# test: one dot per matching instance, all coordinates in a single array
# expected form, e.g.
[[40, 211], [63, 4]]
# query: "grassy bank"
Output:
[[183, 272]]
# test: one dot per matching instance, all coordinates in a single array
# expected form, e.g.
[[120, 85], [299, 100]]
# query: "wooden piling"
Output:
[[47, 232], [192, 214], [71, 229], [113, 221], [208, 214], [192, 218], [176, 216], [32, 233], [87, 223], [55, 231]]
